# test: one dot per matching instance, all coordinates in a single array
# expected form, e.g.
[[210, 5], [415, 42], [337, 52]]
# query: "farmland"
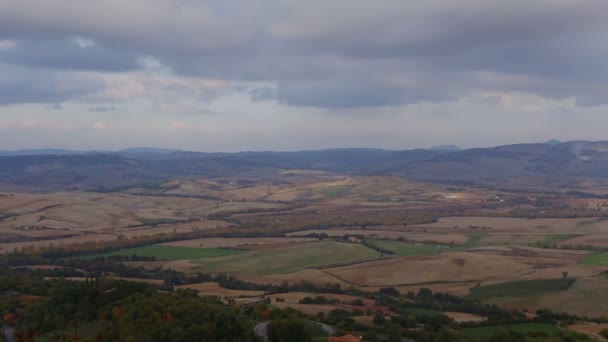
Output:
[[290, 258], [596, 259], [405, 249], [520, 288], [358, 233], [172, 253]]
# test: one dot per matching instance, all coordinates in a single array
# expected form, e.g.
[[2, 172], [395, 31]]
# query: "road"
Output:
[[260, 329]]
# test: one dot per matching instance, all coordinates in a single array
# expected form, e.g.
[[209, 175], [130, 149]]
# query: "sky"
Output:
[[233, 75]]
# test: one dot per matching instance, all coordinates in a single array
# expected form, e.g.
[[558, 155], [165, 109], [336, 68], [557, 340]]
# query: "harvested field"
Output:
[[315, 276], [445, 267], [590, 329], [214, 289], [286, 259], [235, 242]]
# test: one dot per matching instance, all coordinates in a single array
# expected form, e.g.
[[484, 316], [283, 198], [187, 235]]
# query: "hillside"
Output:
[[565, 166]]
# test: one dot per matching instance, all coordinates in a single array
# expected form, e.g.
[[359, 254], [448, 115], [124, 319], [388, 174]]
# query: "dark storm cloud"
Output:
[[332, 53], [69, 54]]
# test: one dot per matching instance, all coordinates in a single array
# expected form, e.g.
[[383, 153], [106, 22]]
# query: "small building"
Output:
[[354, 239]]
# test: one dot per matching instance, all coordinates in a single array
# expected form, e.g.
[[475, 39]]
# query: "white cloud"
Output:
[[7, 44]]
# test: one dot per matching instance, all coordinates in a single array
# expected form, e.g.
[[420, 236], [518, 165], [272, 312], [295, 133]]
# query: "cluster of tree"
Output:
[[377, 248], [118, 310], [318, 300]]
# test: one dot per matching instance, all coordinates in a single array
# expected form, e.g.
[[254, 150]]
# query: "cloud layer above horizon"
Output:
[[225, 75]]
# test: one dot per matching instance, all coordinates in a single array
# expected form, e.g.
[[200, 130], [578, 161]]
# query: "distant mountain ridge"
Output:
[[500, 166]]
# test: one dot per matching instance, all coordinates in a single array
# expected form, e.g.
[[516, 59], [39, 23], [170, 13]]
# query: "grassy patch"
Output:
[[522, 288], [336, 191], [473, 240], [290, 258], [406, 248], [173, 253], [521, 328], [598, 259]]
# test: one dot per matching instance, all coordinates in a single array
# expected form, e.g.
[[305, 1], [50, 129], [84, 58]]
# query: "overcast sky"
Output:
[[230, 75]]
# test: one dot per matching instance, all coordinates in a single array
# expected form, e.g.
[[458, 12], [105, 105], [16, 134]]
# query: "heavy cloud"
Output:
[[331, 53]]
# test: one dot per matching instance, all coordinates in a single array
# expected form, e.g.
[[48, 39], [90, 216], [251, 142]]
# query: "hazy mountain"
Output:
[[504, 166], [149, 150], [446, 148]]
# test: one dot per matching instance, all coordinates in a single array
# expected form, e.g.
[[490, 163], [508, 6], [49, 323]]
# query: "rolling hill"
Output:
[[566, 166]]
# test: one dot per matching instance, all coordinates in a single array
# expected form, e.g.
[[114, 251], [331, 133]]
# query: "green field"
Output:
[[173, 253], [598, 259], [522, 288], [406, 248], [290, 258], [521, 328], [473, 240], [336, 191]]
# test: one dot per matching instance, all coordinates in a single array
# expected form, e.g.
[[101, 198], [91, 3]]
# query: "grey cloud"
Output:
[[263, 94], [67, 54], [103, 108], [331, 53], [21, 85], [157, 25], [353, 93]]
